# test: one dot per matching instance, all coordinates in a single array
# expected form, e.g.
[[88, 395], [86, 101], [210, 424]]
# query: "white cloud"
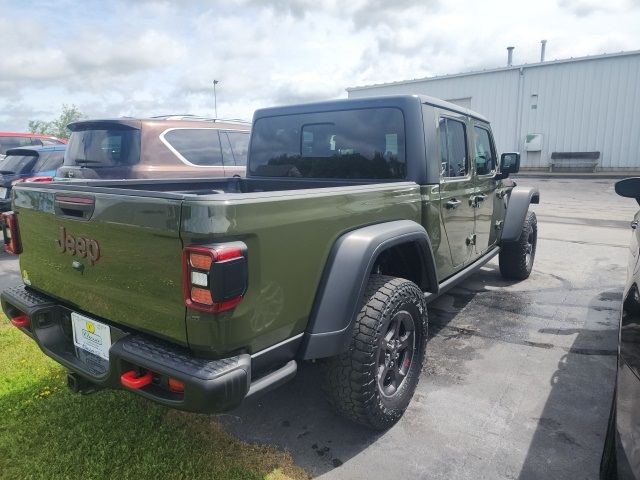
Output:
[[157, 56], [583, 8]]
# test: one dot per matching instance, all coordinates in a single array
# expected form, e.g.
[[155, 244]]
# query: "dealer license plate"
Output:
[[90, 335]]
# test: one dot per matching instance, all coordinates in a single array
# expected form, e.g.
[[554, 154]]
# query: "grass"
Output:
[[48, 432]]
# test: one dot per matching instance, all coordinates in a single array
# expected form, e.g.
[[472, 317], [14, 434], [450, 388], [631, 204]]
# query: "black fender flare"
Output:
[[345, 278], [517, 208]]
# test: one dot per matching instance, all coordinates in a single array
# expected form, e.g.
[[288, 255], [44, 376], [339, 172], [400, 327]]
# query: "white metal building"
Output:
[[564, 112]]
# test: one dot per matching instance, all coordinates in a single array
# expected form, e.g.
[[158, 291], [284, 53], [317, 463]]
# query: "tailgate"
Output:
[[111, 255]]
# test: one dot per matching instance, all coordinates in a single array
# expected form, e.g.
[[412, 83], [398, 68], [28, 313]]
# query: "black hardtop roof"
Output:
[[399, 101], [170, 120]]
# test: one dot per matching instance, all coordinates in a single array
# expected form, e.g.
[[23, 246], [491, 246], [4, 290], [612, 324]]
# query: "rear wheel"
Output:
[[373, 381], [516, 259]]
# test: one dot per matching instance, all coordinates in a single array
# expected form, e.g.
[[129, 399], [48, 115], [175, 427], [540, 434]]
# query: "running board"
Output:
[[273, 379], [452, 281]]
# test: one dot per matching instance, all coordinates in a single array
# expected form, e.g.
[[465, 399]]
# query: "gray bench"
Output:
[[588, 160]]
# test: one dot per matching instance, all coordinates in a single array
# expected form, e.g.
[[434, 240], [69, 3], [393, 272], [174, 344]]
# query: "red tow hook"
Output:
[[131, 379], [21, 321]]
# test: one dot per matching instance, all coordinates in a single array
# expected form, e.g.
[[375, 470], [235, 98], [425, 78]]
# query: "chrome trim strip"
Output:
[[273, 347], [184, 160]]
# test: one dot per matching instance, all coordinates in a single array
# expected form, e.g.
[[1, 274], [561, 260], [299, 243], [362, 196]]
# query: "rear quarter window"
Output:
[[353, 144], [195, 146]]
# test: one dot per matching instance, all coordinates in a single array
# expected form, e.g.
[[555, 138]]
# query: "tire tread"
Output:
[[349, 381]]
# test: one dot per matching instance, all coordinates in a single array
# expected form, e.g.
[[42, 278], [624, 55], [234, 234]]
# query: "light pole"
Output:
[[215, 98]]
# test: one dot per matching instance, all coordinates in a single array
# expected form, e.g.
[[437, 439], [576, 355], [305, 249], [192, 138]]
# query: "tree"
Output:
[[57, 127]]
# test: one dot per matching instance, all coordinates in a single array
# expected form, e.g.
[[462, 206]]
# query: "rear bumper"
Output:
[[209, 385]]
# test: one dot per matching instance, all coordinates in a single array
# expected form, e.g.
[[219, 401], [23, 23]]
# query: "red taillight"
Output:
[[39, 179], [11, 233], [202, 296], [215, 278], [200, 261]]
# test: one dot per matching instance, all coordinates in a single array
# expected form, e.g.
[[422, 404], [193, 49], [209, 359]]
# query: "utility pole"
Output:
[[215, 98]]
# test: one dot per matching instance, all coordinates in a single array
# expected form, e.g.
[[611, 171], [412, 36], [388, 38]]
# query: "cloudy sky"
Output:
[[150, 57]]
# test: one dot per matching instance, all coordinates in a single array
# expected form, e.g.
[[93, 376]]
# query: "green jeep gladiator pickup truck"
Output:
[[199, 293]]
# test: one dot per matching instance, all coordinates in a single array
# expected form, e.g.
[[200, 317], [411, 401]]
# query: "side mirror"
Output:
[[509, 163], [629, 187]]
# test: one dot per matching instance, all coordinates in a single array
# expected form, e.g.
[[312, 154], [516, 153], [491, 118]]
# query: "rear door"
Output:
[[456, 187], [113, 256], [485, 161]]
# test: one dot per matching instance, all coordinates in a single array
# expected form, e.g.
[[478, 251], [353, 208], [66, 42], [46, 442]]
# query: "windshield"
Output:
[[17, 164], [103, 147], [355, 144]]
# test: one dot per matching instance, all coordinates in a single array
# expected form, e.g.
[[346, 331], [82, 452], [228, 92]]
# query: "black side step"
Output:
[[273, 379]]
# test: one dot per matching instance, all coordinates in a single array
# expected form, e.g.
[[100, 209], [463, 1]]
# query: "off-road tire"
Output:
[[351, 380], [516, 259]]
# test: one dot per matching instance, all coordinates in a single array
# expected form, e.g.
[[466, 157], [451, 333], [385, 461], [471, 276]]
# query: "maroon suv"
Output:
[[159, 147]]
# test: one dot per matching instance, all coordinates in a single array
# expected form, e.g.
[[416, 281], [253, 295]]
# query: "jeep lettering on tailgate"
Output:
[[83, 247]]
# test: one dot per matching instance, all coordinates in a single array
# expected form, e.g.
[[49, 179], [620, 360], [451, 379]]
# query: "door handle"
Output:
[[634, 224], [453, 204]]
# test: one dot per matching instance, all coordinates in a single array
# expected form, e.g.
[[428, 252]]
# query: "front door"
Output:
[[485, 161], [456, 188]]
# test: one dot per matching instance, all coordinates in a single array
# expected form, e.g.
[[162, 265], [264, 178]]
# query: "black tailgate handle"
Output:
[[79, 207]]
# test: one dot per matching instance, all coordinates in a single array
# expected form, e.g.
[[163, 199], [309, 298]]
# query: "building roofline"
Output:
[[498, 69]]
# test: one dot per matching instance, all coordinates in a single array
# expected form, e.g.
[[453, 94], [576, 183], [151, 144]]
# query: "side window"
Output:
[[485, 153], [200, 147], [453, 148], [234, 148]]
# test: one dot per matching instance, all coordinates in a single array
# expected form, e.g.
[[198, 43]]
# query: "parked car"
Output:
[[159, 147], [198, 293], [9, 140], [28, 164], [621, 455]]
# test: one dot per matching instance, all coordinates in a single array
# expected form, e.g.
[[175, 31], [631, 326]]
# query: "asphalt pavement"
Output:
[[519, 375]]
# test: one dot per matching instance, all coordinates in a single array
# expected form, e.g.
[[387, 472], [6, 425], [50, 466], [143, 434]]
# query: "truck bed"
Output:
[[141, 227], [181, 188]]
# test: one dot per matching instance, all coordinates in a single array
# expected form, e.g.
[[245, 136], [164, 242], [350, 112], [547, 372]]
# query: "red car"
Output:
[[10, 140]]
